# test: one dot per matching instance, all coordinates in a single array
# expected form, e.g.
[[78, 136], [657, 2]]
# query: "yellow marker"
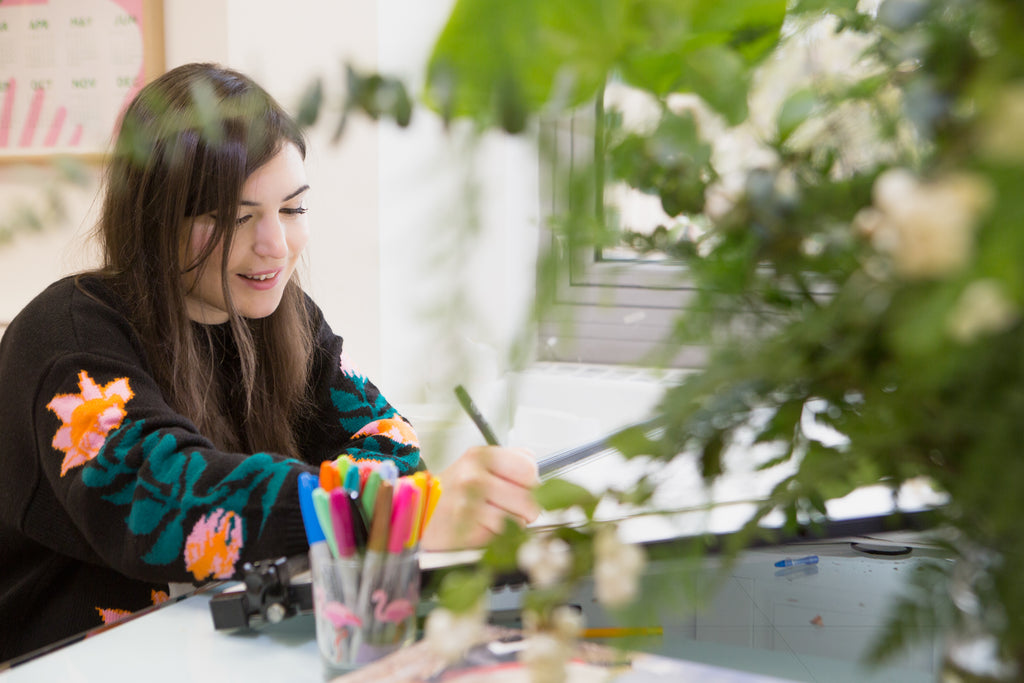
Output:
[[419, 480], [342, 463], [433, 495]]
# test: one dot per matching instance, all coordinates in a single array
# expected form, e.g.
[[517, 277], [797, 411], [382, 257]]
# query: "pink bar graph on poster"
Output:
[[29, 131], [63, 102], [5, 113], [134, 8], [58, 123]]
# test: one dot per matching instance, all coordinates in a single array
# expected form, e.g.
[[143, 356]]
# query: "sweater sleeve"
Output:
[[140, 490], [108, 473], [351, 416]]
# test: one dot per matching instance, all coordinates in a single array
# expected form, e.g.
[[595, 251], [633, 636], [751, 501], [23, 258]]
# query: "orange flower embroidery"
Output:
[[87, 418], [213, 546], [396, 429]]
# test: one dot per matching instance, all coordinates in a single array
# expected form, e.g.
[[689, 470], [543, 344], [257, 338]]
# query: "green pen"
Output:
[[474, 414]]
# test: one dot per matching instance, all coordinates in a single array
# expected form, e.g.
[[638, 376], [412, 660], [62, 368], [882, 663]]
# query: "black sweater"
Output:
[[109, 494]]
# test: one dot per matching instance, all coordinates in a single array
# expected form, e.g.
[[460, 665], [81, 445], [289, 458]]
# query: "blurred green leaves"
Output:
[[500, 63]]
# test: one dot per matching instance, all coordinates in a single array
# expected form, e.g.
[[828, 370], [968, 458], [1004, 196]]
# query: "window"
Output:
[[605, 304]]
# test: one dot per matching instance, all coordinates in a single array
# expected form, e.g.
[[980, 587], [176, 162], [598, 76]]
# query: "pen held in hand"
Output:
[[478, 419]]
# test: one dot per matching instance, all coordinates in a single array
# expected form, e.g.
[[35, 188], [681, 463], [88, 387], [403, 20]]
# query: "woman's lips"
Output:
[[264, 280]]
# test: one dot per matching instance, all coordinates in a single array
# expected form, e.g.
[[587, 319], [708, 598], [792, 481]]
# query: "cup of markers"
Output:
[[364, 524]]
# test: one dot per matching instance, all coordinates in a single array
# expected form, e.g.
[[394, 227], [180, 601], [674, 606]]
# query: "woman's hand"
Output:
[[486, 485]]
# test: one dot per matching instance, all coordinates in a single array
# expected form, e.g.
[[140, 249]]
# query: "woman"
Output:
[[158, 410]]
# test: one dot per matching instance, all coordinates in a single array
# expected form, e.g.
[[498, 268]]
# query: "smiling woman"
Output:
[[271, 234], [161, 408]]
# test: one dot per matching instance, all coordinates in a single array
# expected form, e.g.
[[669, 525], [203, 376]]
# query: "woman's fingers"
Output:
[[511, 498], [480, 490]]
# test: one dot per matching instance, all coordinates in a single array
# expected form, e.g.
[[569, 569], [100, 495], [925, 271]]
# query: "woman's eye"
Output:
[[242, 220], [294, 212]]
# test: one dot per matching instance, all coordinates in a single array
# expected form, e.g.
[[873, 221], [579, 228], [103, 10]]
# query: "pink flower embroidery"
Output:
[[396, 429], [87, 418], [110, 615], [213, 546], [348, 367]]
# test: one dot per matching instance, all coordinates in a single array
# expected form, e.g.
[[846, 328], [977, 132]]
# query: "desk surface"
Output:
[[798, 626], [178, 643], [763, 622]]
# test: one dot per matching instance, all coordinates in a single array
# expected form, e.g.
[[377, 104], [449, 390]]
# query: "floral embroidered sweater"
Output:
[[109, 494]]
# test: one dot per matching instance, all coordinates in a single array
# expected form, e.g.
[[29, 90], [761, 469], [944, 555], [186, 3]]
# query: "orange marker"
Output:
[[330, 479], [433, 495]]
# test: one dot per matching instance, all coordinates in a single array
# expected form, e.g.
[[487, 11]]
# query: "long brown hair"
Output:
[[186, 145]]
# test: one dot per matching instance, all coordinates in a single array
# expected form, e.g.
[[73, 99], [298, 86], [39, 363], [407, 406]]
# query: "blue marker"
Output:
[[307, 484], [351, 480], [319, 552], [810, 559], [388, 471]]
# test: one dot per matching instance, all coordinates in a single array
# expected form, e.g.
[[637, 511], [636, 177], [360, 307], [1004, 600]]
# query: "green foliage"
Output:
[[857, 263], [499, 63], [558, 494], [462, 591]]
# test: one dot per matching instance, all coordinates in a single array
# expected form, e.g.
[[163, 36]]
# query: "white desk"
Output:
[[177, 643], [793, 626]]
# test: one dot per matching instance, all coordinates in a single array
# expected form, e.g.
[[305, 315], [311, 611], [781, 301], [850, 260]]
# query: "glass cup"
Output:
[[365, 608]]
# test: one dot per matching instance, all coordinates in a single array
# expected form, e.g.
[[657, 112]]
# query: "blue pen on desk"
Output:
[[788, 562], [474, 414]]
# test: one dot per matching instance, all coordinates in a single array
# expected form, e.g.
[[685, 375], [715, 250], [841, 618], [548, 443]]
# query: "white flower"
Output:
[[639, 211], [617, 569], [450, 634], [640, 110], [927, 228], [734, 154], [812, 55], [567, 622], [546, 656], [982, 308], [544, 559]]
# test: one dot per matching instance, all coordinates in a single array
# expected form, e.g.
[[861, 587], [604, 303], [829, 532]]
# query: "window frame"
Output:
[[614, 311]]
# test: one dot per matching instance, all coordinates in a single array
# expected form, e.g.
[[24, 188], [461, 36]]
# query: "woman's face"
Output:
[[270, 234]]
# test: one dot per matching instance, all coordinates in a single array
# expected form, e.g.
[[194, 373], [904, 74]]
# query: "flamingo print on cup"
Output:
[[392, 612]]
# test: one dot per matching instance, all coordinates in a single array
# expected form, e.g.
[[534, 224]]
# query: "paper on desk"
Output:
[[684, 505]]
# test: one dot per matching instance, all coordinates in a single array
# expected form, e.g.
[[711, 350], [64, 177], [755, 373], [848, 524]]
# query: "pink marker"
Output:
[[341, 520], [401, 516]]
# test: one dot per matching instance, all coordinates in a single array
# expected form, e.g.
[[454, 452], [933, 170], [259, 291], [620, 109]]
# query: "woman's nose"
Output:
[[271, 240]]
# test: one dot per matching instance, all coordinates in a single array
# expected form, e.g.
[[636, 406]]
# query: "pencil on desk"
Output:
[[622, 631]]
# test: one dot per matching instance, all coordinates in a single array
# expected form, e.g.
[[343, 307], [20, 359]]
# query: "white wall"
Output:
[[283, 50]]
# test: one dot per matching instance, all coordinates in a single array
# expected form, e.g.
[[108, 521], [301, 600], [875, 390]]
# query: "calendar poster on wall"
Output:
[[67, 70]]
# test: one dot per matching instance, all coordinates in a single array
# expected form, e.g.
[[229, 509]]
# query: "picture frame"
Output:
[[67, 70]]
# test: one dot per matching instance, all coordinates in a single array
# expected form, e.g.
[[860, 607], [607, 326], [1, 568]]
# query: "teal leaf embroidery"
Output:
[[163, 486]]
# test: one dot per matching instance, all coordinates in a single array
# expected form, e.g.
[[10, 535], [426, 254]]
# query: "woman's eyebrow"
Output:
[[293, 195]]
